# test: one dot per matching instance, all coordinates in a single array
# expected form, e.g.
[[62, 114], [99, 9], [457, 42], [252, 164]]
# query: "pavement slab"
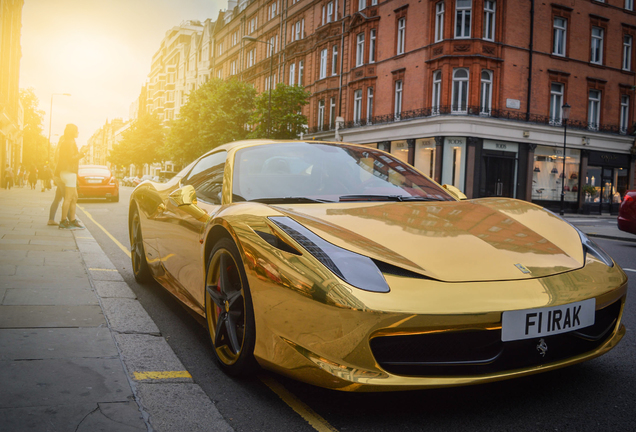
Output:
[[107, 289], [12, 282], [105, 274], [97, 261], [194, 413], [51, 316], [146, 353], [59, 273], [52, 343], [42, 296], [63, 382], [116, 416], [128, 316]]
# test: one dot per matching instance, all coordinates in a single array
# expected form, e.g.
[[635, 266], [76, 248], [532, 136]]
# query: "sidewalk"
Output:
[[77, 351]]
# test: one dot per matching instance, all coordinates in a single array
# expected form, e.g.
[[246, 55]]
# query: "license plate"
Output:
[[536, 323], [93, 181]]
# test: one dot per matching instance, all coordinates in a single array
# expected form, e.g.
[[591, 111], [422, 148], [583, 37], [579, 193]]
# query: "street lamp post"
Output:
[[50, 118], [271, 64], [566, 116]]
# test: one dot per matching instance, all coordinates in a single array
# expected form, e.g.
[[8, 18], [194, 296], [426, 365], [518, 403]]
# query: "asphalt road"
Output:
[[594, 396]]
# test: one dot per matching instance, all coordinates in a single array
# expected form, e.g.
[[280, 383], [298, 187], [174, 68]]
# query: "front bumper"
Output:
[[324, 335]]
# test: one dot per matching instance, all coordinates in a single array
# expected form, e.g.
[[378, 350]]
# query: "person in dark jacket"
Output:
[[66, 170]]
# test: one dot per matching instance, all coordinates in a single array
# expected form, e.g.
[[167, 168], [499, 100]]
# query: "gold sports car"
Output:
[[341, 266]]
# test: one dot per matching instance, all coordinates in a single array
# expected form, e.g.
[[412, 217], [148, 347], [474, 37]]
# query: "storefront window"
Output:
[[454, 162], [548, 174], [425, 156], [400, 150]]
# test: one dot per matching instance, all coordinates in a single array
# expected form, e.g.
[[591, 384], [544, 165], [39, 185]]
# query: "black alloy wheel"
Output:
[[141, 271], [229, 312]]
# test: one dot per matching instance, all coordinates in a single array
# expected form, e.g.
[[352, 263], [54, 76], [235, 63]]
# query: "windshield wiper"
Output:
[[400, 198], [289, 200]]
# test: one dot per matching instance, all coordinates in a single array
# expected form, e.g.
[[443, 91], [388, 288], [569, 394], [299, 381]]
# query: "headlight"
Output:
[[357, 270], [589, 247]]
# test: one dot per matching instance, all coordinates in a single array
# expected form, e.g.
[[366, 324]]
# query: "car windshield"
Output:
[[307, 172], [93, 172]]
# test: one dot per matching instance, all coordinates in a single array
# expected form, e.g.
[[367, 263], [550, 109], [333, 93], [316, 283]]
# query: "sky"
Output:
[[98, 51]]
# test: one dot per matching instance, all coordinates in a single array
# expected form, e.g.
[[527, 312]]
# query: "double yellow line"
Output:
[[309, 415]]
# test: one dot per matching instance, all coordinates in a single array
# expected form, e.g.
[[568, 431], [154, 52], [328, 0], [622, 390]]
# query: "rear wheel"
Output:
[[229, 311], [141, 271]]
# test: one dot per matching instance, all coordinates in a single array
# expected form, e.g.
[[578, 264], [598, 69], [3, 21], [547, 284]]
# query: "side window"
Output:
[[207, 177]]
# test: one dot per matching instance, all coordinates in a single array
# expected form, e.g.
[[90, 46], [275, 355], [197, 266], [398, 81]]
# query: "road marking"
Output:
[[317, 422], [631, 270], [121, 246], [98, 269], [140, 376]]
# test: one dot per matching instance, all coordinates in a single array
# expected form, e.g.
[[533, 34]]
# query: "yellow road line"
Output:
[[139, 376], [310, 416], [98, 269], [121, 246]]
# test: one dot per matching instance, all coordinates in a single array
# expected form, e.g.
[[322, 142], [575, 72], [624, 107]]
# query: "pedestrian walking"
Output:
[[33, 176], [60, 191], [66, 170], [8, 177], [20, 177], [47, 176]]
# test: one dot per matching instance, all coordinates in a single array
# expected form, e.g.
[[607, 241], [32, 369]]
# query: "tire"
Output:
[[141, 271], [229, 311]]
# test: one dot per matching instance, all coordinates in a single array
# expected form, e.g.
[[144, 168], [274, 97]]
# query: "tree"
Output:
[[216, 113], [286, 117], [141, 143], [35, 143]]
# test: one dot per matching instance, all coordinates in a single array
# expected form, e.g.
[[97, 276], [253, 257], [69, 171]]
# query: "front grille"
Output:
[[482, 351]]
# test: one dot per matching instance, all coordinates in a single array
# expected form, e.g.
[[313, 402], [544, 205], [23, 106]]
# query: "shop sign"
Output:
[[456, 141], [608, 159], [501, 146]]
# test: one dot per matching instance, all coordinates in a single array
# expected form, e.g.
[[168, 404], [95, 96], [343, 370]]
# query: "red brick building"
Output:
[[468, 91]]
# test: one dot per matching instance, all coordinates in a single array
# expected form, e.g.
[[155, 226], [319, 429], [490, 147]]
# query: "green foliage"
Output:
[[141, 143], [34, 141], [287, 119], [216, 113]]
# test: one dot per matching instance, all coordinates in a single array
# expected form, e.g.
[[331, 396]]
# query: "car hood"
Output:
[[474, 240]]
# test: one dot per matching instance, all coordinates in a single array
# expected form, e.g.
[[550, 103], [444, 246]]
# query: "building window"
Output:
[[624, 113], [332, 113], [357, 106], [462, 18], [437, 92], [556, 103], [330, 12], [597, 45], [629, 5], [301, 70], [271, 46], [362, 4], [369, 104], [460, 91], [292, 73], [235, 38], [233, 67], [372, 46], [559, 30], [360, 50], [297, 33], [627, 52], [334, 60], [486, 92], [272, 10], [397, 108], [400, 35], [323, 63], [250, 58], [489, 20], [594, 110], [253, 24], [439, 21], [220, 48], [321, 114]]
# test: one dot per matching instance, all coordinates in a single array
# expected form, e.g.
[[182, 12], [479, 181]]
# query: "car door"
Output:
[[179, 243]]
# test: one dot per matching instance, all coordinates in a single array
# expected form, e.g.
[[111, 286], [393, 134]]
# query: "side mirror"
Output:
[[186, 199], [454, 192]]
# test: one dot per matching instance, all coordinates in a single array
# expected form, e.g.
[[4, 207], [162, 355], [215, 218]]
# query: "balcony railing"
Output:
[[475, 111]]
